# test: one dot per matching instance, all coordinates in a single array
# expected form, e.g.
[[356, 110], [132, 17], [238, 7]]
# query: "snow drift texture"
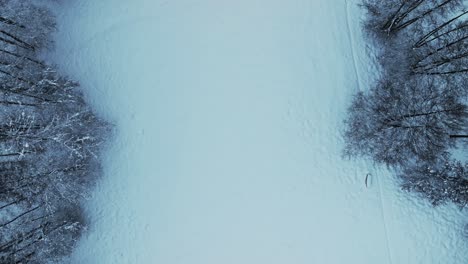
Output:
[[229, 118]]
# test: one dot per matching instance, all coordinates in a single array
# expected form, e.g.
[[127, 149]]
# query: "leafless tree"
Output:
[[440, 182], [396, 122], [50, 141]]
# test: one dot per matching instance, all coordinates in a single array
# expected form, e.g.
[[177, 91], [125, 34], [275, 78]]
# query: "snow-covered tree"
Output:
[[50, 141], [395, 123], [420, 37], [386, 19], [439, 183], [413, 116]]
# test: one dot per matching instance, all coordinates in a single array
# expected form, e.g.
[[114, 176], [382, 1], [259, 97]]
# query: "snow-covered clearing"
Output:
[[228, 147]]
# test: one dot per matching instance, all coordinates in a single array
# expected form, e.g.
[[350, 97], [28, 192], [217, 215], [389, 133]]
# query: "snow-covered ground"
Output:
[[228, 142]]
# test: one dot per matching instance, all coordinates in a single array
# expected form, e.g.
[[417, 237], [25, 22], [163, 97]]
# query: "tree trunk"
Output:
[[458, 136], [422, 41], [404, 15], [17, 39], [439, 49], [21, 56], [27, 95], [459, 27], [13, 43], [431, 113], [12, 203], [22, 237], [26, 258], [435, 64], [389, 24], [8, 64], [16, 77], [442, 73], [21, 215], [17, 103], [7, 21], [411, 21]]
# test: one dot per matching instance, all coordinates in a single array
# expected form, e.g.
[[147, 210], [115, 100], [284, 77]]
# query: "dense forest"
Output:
[[412, 120], [50, 142], [415, 116]]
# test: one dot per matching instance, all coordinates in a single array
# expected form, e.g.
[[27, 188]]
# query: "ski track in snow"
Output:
[[351, 44], [384, 221], [359, 87], [266, 184]]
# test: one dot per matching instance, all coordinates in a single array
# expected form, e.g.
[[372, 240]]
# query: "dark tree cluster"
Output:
[[50, 141], [446, 181], [397, 122], [416, 113], [420, 37]]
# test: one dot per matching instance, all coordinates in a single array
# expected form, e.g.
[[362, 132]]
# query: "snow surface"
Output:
[[229, 118]]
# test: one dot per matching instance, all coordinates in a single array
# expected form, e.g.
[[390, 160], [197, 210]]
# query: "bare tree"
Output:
[[50, 142], [443, 50], [419, 37], [416, 113], [397, 122], [386, 19], [440, 182]]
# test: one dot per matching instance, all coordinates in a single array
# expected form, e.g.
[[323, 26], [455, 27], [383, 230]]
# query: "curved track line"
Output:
[[360, 88], [384, 219], [353, 49], [385, 222]]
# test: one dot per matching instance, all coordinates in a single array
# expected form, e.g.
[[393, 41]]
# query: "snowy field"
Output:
[[228, 118]]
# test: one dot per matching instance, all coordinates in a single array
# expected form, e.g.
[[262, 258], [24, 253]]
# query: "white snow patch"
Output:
[[229, 117]]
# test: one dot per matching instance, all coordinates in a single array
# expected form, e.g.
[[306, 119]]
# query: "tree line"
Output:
[[50, 141], [415, 115]]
